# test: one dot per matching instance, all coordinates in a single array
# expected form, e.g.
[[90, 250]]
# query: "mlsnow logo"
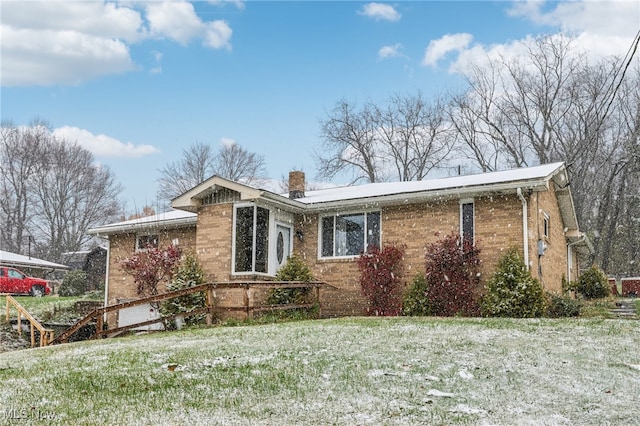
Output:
[[34, 413]]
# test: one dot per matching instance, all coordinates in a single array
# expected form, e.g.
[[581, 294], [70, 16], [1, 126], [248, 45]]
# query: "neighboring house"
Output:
[[92, 262], [244, 233]]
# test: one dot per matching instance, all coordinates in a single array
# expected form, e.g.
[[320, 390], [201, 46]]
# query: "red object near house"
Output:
[[631, 286], [614, 286], [14, 281]]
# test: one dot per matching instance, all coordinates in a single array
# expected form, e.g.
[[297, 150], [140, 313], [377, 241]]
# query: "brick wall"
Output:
[[214, 240], [630, 286], [498, 226], [552, 266]]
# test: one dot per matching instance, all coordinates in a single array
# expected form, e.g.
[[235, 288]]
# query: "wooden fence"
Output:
[[103, 328]]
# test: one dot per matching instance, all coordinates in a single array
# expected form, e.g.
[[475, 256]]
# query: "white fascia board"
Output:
[[135, 227]]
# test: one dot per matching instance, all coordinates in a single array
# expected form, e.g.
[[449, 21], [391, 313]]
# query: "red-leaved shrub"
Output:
[[381, 273], [453, 278], [151, 266]]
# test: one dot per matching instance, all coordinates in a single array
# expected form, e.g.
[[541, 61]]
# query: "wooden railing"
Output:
[[46, 334], [103, 330]]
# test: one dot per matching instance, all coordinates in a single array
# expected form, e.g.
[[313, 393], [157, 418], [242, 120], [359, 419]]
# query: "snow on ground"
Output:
[[360, 371]]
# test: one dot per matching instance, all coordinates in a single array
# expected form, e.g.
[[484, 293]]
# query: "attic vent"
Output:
[[220, 196]]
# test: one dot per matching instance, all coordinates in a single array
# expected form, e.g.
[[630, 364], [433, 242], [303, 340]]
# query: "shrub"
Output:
[[512, 292], [563, 306], [188, 274], [452, 277], [415, 302], [593, 284], [73, 284], [150, 267], [381, 272], [293, 270]]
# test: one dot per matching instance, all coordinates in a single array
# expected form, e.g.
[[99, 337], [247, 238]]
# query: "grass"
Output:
[[350, 371]]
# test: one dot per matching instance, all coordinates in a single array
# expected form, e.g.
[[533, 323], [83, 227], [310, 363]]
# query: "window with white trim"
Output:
[[144, 242], [545, 225], [467, 221], [343, 235], [251, 243]]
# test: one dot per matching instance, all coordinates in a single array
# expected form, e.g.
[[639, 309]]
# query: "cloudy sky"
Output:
[[137, 81]]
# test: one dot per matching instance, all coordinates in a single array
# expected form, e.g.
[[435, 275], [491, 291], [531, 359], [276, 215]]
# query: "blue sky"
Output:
[[136, 82]]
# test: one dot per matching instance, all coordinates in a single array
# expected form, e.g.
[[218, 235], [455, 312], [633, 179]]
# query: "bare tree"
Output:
[[20, 157], [195, 166], [402, 140], [52, 190], [553, 105], [349, 144], [236, 163], [200, 161]]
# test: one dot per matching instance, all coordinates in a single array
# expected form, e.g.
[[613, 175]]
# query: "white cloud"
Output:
[[240, 4], [438, 49], [217, 35], [103, 145], [380, 12], [69, 42], [227, 142], [386, 52]]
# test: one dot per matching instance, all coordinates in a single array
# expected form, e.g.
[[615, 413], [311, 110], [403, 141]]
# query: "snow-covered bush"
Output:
[[593, 284], [293, 270], [381, 273], [562, 306], [415, 302], [453, 277], [188, 274], [512, 291]]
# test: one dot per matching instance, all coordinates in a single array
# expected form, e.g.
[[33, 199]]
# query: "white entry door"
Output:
[[283, 245]]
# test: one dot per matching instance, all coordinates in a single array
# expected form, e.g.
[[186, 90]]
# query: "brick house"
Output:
[[240, 232]]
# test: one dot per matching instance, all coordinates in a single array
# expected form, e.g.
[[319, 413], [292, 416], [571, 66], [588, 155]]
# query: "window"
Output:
[[467, 226], [251, 239], [349, 234], [144, 242]]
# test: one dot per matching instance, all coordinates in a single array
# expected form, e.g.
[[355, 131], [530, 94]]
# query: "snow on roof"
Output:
[[169, 218], [18, 260], [393, 188]]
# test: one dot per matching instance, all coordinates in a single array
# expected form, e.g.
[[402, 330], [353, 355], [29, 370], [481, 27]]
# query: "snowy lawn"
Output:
[[353, 371]]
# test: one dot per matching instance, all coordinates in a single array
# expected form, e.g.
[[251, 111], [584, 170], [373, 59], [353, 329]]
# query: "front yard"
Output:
[[351, 371]]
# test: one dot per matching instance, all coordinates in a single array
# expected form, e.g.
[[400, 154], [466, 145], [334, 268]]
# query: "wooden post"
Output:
[[209, 298], [99, 325], [33, 336], [248, 313], [7, 299]]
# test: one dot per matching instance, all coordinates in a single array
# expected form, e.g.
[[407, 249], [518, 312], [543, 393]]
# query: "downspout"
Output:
[[106, 280], [570, 255], [525, 227]]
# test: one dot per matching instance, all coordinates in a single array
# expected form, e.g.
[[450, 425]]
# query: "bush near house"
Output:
[[512, 291], [188, 274], [293, 270], [73, 284], [593, 284], [381, 273], [452, 277], [415, 302], [562, 306], [151, 266]]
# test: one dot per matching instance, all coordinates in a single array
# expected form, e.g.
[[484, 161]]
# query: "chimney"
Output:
[[296, 184]]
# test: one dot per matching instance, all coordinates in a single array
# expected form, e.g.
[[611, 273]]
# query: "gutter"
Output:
[[525, 227], [172, 223], [570, 254], [106, 282]]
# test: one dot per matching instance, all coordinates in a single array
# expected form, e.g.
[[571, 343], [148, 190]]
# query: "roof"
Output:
[[171, 219], [20, 261], [535, 178]]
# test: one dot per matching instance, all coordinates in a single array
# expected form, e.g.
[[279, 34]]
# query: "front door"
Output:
[[283, 245]]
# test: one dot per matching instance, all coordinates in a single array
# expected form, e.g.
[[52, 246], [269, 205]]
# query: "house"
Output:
[[240, 232], [93, 262]]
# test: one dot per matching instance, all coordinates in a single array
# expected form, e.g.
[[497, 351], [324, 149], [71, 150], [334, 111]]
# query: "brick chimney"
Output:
[[296, 184]]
